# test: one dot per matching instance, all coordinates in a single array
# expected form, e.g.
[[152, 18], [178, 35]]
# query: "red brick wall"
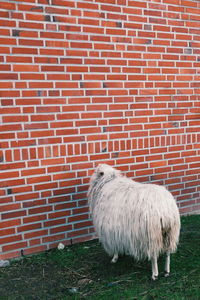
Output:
[[83, 82]]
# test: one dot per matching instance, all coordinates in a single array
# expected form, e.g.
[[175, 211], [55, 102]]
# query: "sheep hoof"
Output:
[[114, 259], [166, 274], [154, 277]]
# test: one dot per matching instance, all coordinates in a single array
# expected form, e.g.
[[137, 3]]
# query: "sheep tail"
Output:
[[170, 236]]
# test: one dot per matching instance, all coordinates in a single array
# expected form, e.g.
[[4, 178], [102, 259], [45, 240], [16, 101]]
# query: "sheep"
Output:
[[137, 219]]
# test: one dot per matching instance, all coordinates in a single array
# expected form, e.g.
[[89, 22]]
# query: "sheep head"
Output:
[[104, 170]]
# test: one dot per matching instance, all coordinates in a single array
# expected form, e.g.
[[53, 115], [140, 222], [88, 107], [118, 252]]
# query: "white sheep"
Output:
[[140, 220]]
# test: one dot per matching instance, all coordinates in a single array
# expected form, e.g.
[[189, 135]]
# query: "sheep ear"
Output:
[[101, 173]]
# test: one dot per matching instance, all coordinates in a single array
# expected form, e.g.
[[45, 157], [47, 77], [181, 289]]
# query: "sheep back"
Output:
[[136, 219]]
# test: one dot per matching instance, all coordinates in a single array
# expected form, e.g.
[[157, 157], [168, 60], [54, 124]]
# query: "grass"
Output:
[[84, 272]]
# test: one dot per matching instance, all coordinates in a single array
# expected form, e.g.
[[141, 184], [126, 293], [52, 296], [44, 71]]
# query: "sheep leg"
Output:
[[167, 264], [115, 258], [154, 265]]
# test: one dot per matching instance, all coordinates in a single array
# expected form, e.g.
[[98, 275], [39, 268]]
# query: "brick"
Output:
[[11, 254], [14, 246], [10, 207], [44, 133], [9, 175], [29, 227], [61, 229], [33, 219], [7, 5], [39, 210], [15, 238], [38, 179], [15, 214], [34, 250], [45, 186], [137, 4], [10, 223], [77, 233], [82, 239], [52, 238]]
